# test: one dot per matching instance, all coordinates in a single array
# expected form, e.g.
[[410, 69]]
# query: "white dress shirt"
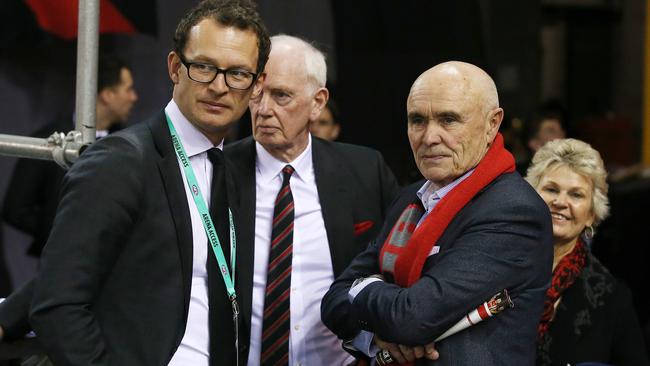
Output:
[[194, 348], [310, 342]]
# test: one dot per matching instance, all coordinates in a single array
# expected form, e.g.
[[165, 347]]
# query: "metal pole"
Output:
[[58, 147], [86, 88], [26, 147], [65, 149]]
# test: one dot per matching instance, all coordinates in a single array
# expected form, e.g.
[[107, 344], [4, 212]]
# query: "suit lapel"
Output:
[[240, 157], [175, 192], [331, 177]]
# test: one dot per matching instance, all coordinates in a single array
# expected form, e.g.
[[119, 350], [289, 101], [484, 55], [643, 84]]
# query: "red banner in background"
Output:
[[61, 17]]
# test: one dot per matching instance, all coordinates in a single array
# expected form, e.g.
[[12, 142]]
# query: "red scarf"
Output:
[[564, 275], [407, 259]]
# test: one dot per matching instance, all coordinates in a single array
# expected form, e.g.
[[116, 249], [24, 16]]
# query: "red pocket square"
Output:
[[362, 227]]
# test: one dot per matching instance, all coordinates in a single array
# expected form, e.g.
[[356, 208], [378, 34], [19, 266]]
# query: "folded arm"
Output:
[[494, 252]]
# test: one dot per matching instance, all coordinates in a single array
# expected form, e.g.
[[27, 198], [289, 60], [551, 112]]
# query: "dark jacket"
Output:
[[127, 298], [33, 192], [595, 321], [115, 277], [355, 188], [500, 240]]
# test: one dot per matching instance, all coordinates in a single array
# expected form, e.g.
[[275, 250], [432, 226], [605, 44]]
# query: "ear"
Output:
[[494, 122], [257, 86], [105, 96], [318, 103], [173, 66], [592, 218]]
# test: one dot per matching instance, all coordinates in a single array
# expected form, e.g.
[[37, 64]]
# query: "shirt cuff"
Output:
[[354, 290], [363, 343]]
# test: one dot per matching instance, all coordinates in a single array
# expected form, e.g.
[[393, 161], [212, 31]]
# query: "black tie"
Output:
[[220, 318], [219, 200]]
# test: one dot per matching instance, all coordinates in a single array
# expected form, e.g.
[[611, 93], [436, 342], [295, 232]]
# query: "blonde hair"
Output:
[[580, 157]]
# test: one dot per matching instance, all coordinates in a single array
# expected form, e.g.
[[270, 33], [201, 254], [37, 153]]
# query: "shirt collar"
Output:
[[194, 141], [427, 194], [269, 167], [98, 133]]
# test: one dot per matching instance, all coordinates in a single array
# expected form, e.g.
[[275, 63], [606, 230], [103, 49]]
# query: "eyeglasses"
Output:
[[205, 73]]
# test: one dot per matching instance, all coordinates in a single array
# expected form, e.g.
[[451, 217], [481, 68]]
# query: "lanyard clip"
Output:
[[235, 306]]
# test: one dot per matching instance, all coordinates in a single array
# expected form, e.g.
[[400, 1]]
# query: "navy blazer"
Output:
[[502, 239]]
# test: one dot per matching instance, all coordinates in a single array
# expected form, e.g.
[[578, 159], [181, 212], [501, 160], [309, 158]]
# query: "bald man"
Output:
[[471, 229]]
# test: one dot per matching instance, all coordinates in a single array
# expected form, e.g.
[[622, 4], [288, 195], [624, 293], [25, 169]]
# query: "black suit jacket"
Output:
[[145, 196], [355, 188], [32, 195], [502, 239], [115, 277], [595, 321], [33, 192]]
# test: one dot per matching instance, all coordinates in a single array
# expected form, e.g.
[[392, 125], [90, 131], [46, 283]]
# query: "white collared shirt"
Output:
[[310, 342], [195, 346]]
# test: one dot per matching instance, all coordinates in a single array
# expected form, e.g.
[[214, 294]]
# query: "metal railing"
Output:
[[64, 149]]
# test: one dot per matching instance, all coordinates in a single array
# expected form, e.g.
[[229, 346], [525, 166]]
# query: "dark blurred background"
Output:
[[585, 58]]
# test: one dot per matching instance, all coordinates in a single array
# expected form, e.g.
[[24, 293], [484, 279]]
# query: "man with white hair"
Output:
[[309, 205], [468, 231]]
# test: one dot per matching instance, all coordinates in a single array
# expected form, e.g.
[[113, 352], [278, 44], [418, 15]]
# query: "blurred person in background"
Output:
[[588, 315], [327, 125], [544, 128], [33, 192]]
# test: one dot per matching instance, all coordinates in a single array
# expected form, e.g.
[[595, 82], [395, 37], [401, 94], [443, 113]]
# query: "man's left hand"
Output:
[[403, 354]]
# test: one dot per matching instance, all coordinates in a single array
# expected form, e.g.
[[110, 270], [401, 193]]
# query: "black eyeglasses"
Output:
[[205, 73]]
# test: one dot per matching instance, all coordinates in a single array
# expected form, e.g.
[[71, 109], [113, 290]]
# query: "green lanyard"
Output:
[[228, 280]]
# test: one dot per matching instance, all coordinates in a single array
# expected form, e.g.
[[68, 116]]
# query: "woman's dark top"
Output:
[[594, 322]]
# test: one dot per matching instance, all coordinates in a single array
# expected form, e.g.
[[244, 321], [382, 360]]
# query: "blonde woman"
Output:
[[588, 315]]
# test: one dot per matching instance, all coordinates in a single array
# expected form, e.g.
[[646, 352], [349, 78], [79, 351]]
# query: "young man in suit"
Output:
[[339, 194], [470, 230], [128, 276]]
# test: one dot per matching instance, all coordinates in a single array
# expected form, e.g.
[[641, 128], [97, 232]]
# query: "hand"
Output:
[[403, 354], [430, 352]]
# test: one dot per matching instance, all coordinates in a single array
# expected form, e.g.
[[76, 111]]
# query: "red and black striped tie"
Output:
[[275, 325]]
